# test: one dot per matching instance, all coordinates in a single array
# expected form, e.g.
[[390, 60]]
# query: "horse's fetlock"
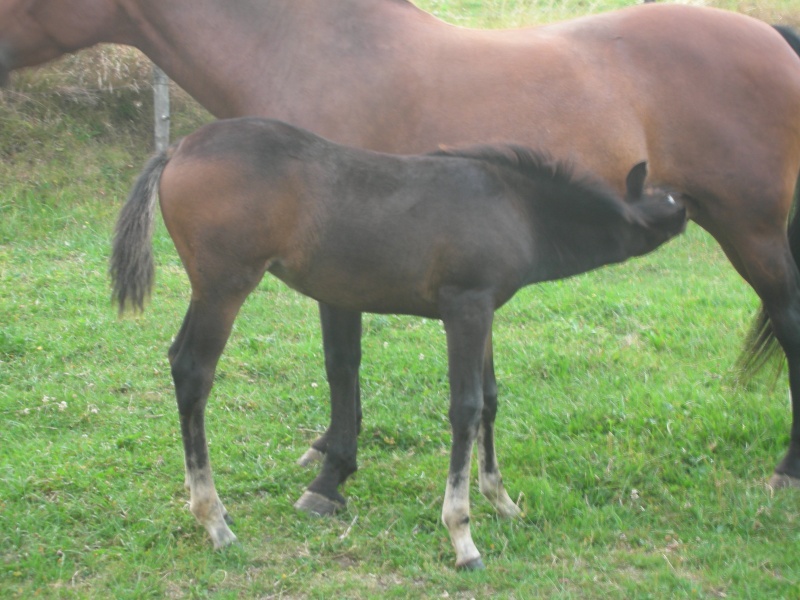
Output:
[[455, 519], [345, 465]]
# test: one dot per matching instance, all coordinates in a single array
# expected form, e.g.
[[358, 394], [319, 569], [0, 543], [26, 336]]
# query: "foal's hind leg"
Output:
[[338, 446], [173, 352], [490, 481], [193, 357]]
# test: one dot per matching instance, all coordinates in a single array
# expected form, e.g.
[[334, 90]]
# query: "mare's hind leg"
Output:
[[781, 301], [193, 357], [766, 262], [338, 446], [490, 481]]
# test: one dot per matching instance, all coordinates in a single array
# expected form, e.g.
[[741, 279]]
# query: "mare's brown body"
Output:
[[711, 99], [451, 236]]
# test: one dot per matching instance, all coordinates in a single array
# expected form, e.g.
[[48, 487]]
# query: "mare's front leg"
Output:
[[337, 448], [490, 480], [467, 320], [193, 357]]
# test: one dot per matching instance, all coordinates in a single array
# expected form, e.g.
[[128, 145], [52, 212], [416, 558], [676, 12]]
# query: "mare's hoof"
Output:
[[475, 564], [317, 504], [781, 480], [311, 457]]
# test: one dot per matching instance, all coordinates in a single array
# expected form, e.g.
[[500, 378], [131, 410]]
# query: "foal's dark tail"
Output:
[[131, 265], [762, 346]]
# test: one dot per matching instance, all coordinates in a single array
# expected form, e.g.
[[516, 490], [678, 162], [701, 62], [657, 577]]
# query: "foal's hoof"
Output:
[[317, 504], [476, 564], [311, 457], [781, 480], [222, 537]]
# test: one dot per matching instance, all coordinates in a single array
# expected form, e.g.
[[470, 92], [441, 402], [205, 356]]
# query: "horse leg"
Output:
[[467, 320], [341, 336], [193, 358], [490, 481], [176, 345], [781, 300], [316, 452], [341, 340], [767, 263]]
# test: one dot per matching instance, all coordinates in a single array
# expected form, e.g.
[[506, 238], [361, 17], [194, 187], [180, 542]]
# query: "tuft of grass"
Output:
[[638, 459]]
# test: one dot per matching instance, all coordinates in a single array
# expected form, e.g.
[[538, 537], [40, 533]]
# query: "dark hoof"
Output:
[[312, 456], [473, 565], [228, 519], [317, 504], [781, 480]]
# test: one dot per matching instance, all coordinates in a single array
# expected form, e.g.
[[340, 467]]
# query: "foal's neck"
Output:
[[570, 244]]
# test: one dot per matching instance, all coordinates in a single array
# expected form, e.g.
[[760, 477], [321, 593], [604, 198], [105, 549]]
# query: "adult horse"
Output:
[[449, 236], [711, 99]]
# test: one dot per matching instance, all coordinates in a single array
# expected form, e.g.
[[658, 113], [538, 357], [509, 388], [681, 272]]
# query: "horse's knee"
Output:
[[342, 364], [489, 407], [466, 414]]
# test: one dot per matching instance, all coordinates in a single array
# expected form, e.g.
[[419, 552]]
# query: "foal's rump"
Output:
[[232, 194]]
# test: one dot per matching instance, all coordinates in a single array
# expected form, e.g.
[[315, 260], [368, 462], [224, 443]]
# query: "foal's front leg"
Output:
[[467, 320], [490, 481], [341, 343], [337, 448]]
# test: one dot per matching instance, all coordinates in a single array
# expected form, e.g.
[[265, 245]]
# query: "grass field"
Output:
[[639, 461]]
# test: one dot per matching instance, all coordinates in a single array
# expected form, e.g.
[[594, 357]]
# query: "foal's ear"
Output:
[[634, 182]]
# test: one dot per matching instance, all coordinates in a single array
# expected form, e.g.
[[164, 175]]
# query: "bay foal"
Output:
[[450, 236]]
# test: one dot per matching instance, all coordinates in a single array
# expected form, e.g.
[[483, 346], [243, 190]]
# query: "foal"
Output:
[[451, 236]]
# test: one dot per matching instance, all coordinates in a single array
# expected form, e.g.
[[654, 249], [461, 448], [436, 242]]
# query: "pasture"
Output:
[[638, 459]]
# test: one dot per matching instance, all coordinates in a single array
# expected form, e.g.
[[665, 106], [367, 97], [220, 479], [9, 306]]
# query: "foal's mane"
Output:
[[579, 193]]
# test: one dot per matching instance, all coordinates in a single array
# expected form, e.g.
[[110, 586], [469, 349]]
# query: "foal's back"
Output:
[[372, 232]]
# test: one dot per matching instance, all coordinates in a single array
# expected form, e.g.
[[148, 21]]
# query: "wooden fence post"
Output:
[[160, 108]]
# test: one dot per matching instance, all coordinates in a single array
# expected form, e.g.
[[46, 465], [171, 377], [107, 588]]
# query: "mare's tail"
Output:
[[790, 35], [762, 346], [131, 265]]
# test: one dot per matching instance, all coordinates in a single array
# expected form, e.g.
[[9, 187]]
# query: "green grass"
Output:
[[638, 460]]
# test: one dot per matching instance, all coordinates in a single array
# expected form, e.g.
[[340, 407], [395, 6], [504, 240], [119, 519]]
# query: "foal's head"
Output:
[[655, 210], [579, 223], [594, 226]]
